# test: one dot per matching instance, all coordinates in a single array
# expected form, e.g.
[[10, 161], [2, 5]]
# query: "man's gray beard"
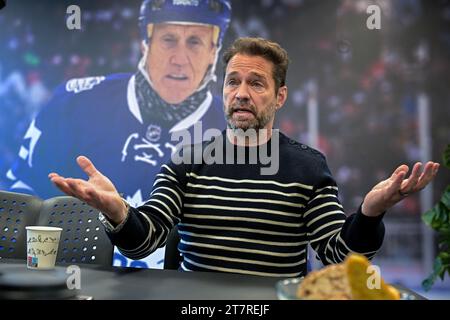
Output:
[[259, 123]]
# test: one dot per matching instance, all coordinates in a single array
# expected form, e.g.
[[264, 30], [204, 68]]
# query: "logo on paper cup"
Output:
[[32, 262]]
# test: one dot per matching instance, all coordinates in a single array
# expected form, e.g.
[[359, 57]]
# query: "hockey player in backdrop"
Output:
[[124, 122]]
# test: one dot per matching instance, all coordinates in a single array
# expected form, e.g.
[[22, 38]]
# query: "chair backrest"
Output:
[[83, 239], [172, 257], [17, 210]]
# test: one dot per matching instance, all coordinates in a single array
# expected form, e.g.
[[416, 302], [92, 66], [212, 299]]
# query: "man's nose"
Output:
[[179, 56], [242, 94]]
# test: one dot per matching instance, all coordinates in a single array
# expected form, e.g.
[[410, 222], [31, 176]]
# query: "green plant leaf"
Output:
[[438, 218], [428, 283], [445, 264], [446, 156], [444, 256], [444, 244], [428, 216], [445, 199], [444, 239], [437, 264], [437, 269]]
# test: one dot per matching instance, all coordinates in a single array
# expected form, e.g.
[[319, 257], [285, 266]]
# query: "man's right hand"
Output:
[[98, 192]]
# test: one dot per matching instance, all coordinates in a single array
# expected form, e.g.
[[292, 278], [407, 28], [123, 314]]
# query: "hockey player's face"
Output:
[[249, 96], [178, 59]]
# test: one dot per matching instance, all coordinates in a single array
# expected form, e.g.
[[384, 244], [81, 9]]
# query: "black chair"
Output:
[[17, 210], [172, 257], [83, 239]]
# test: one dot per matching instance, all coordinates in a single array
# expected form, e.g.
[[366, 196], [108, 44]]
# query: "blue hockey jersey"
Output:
[[99, 117]]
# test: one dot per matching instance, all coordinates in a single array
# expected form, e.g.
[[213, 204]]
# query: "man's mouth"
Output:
[[242, 110], [177, 77]]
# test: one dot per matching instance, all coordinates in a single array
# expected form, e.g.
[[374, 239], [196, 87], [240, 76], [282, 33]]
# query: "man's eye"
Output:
[[194, 42], [169, 41], [257, 84], [232, 82]]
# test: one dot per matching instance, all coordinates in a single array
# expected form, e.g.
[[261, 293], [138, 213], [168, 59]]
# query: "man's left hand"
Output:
[[390, 191]]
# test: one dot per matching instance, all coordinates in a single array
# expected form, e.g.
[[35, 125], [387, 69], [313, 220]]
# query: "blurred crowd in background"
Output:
[[366, 82]]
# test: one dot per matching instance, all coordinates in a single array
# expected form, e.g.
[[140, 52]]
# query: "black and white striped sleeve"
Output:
[[331, 233], [148, 226]]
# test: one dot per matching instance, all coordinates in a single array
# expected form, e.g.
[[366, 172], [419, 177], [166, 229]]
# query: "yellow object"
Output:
[[355, 279], [365, 282]]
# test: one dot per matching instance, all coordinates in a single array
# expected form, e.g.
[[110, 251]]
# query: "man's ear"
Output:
[[281, 96]]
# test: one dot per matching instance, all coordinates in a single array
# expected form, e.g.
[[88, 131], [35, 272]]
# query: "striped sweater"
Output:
[[232, 219]]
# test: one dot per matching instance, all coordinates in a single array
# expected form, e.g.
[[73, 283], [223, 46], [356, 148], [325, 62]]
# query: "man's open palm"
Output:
[[394, 189], [98, 191]]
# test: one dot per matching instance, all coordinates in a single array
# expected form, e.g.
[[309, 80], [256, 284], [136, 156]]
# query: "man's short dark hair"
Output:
[[2, 4], [267, 49]]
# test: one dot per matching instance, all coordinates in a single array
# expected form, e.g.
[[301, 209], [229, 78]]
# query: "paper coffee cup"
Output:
[[42, 246]]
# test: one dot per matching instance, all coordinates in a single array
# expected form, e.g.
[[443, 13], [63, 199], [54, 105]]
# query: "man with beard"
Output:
[[231, 218]]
